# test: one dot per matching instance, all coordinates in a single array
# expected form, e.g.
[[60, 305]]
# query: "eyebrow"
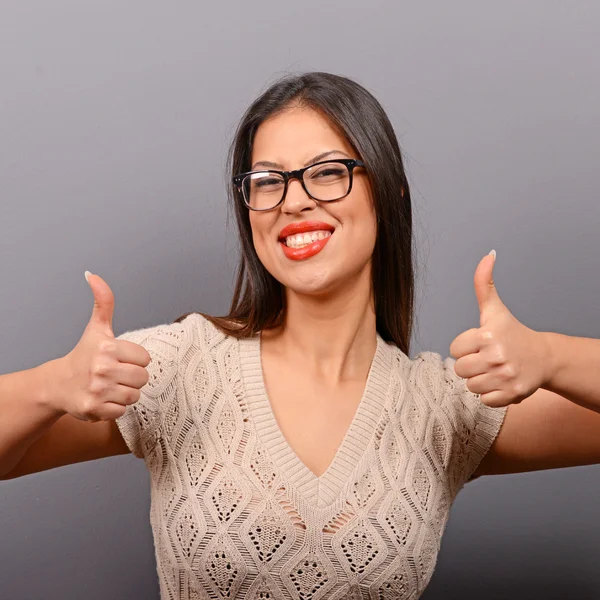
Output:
[[314, 159]]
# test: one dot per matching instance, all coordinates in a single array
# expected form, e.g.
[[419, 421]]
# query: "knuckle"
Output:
[[486, 335], [519, 389], [87, 409], [499, 356], [108, 346], [100, 367], [97, 386], [510, 371]]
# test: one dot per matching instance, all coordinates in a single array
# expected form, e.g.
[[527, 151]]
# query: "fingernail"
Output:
[[87, 276], [493, 253]]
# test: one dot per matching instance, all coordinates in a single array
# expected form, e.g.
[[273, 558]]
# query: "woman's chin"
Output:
[[314, 284]]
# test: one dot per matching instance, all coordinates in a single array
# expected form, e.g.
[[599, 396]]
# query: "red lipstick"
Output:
[[303, 227]]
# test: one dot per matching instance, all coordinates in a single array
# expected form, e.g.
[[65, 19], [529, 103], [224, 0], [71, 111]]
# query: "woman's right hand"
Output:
[[101, 375]]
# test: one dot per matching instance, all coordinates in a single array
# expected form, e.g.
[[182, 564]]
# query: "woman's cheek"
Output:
[[266, 256]]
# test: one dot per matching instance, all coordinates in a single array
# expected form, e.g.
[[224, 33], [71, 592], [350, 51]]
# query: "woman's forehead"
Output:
[[295, 135]]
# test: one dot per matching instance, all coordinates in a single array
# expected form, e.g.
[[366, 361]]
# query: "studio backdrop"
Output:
[[115, 119]]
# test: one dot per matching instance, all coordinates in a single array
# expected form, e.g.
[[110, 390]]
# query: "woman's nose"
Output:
[[296, 199]]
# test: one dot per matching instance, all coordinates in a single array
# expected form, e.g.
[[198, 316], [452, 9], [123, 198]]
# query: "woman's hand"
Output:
[[503, 360], [101, 375]]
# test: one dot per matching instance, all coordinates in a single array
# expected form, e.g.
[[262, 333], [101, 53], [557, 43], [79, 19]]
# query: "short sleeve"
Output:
[[141, 424], [474, 425]]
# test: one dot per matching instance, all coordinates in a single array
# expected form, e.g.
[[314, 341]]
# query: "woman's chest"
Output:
[[237, 513], [313, 418], [232, 515]]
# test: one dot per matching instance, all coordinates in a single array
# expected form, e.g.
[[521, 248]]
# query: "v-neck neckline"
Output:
[[325, 488]]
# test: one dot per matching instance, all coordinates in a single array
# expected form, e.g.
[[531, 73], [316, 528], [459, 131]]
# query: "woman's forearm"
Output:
[[575, 370], [25, 412]]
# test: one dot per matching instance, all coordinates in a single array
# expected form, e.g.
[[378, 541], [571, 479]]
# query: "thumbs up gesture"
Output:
[[101, 375], [503, 360]]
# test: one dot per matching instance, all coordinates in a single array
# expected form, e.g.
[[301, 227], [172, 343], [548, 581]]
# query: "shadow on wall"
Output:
[[518, 574], [550, 586]]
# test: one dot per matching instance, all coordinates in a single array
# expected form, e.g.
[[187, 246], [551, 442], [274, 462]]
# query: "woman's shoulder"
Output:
[[172, 334], [425, 362], [169, 333], [208, 331], [201, 328], [439, 372], [191, 329], [427, 372]]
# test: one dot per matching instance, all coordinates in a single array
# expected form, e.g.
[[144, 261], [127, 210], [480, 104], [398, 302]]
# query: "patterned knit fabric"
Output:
[[236, 514]]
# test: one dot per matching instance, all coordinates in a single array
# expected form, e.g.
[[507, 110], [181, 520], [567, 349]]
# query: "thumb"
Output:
[[485, 289], [104, 301]]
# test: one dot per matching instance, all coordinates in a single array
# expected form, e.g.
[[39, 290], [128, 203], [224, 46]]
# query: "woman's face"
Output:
[[292, 139]]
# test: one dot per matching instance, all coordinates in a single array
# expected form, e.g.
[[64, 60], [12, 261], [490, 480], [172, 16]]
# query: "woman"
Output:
[[294, 448]]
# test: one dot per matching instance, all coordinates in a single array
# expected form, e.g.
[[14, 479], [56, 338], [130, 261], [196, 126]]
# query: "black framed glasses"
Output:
[[324, 181]]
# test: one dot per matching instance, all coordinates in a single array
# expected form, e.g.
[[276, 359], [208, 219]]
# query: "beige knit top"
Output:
[[236, 514]]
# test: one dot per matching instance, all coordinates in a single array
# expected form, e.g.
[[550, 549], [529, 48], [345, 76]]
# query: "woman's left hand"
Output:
[[503, 360]]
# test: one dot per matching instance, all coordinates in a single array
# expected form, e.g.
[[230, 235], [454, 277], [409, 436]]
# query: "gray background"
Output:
[[114, 122]]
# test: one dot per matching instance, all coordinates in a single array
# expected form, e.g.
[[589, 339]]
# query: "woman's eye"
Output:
[[329, 173], [267, 182]]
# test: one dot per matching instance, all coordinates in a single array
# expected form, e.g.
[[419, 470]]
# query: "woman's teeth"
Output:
[[303, 239]]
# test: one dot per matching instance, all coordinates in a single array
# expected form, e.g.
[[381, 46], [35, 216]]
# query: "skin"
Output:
[[328, 339]]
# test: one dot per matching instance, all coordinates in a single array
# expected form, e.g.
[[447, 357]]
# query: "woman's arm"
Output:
[[559, 424], [576, 369], [26, 412]]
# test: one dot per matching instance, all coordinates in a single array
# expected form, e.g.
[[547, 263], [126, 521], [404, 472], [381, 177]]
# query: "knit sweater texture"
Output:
[[236, 514]]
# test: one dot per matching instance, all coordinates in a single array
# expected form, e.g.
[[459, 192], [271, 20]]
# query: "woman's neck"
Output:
[[332, 339]]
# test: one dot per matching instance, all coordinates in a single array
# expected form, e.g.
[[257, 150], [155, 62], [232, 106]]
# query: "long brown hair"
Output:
[[258, 299]]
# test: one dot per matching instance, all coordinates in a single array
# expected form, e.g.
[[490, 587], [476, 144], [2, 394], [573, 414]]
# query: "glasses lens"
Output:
[[263, 190], [328, 181]]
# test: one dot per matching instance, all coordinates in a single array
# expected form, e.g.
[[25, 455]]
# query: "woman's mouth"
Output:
[[304, 245]]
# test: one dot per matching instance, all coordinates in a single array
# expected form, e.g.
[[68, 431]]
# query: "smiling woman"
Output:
[[303, 454], [294, 448], [299, 121]]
